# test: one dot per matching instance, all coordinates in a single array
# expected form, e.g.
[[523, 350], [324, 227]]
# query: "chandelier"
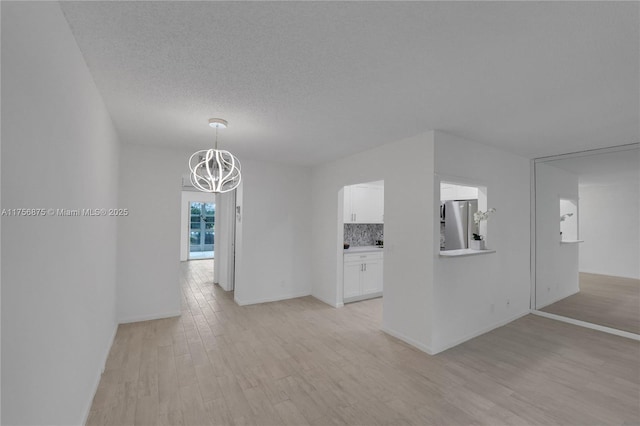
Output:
[[215, 170]]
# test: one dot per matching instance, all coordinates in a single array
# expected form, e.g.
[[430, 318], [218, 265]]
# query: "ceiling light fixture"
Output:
[[218, 123], [215, 170]]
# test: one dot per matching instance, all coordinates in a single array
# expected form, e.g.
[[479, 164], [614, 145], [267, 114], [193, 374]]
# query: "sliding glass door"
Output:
[[201, 230]]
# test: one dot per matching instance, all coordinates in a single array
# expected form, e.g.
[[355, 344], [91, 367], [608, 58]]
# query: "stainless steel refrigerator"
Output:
[[456, 217]]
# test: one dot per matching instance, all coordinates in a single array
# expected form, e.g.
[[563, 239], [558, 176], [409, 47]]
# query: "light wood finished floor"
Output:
[[604, 300], [300, 362]]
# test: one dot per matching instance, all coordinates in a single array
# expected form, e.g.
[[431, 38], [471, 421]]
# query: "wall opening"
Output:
[[361, 229], [197, 225], [201, 230], [568, 220], [460, 226]]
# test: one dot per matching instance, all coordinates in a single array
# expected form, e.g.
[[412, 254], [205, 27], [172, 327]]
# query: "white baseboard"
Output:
[[408, 340], [87, 409], [272, 299], [323, 300], [363, 297], [150, 317], [106, 355], [610, 275], [223, 287], [99, 376], [559, 298], [592, 326], [483, 330]]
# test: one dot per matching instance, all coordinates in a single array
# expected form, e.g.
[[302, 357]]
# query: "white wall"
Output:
[[406, 167], [187, 198], [149, 238], [556, 264], [0, 235], [610, 228], [225, 240], [471, 293], [569, 226], [274, 235], [59, 150]]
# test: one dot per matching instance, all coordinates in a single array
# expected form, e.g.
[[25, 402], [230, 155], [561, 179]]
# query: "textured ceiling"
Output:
[[313, 81]]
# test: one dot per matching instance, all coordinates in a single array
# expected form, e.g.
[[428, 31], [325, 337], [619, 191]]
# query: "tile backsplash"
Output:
[[363, 234]]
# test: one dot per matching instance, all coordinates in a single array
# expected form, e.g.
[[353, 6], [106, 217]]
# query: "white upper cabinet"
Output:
[[364, 203], [449, 191]]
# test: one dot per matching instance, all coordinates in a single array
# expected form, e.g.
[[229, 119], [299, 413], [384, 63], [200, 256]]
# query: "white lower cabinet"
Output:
[[352, 271], [362, 276], [372, 277]]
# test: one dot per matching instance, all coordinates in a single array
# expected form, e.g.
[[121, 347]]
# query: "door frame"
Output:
[[225, 264], [187, 198], [203, 226], [340, 238]]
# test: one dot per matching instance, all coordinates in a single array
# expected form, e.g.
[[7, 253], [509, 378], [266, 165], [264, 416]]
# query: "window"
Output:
[[201, 227]]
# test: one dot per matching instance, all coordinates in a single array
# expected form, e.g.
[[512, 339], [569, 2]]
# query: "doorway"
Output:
[[208, 230], [202, 218], [361, 229], [197, 225]]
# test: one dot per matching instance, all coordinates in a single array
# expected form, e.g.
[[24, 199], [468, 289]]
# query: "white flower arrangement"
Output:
[[479, 216]]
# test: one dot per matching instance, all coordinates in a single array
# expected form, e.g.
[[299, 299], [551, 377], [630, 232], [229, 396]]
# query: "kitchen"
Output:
[[463, 216], [363, 223], [458, 203]]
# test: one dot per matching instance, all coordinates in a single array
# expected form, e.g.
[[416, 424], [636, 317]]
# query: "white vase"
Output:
[[476, 244]]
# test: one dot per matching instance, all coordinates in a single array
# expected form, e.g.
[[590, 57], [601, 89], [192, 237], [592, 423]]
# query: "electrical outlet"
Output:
[[492, 308], [508, 302]]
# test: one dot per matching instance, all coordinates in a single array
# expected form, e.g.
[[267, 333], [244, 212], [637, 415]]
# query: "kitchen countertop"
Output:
[[362, 249], [464, 252], [571, 241]]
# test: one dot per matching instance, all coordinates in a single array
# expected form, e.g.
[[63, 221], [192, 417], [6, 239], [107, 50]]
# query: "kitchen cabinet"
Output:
[[362, 276], [364, 203], [449, 192], [352, 272]]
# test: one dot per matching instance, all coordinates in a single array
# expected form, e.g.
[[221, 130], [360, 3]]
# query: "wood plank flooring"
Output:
[[604, 300], [301, 362]]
